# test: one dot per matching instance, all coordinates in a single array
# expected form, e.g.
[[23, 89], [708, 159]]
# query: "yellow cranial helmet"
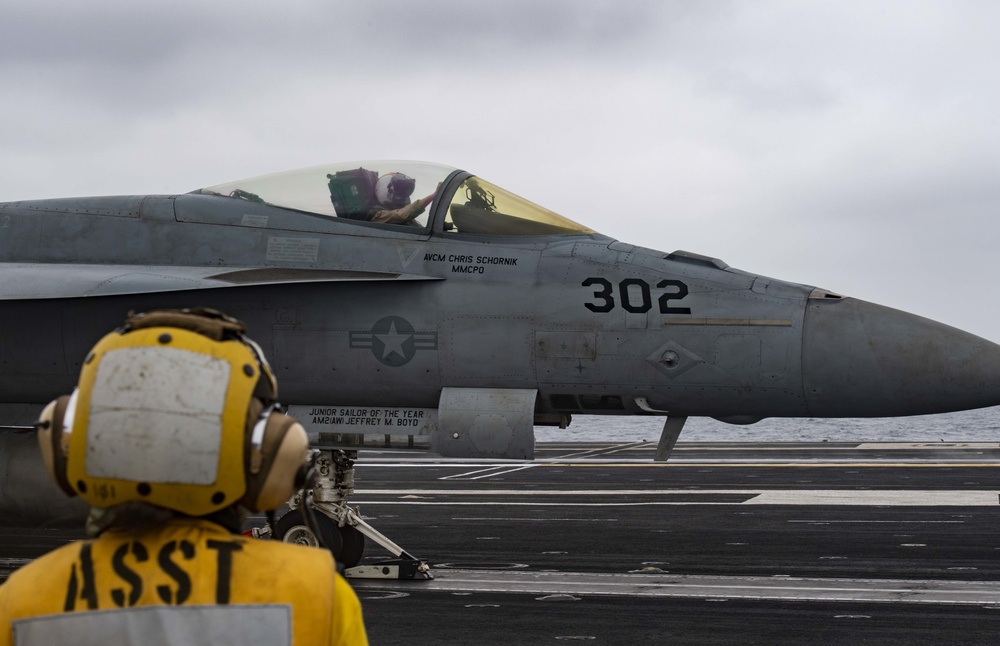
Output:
[[175, 409]]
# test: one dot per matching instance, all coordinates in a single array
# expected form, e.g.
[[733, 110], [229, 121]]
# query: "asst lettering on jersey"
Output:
[[135, 568]]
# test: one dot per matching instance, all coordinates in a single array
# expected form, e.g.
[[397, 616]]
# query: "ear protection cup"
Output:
[[277, 451], [53, 443]]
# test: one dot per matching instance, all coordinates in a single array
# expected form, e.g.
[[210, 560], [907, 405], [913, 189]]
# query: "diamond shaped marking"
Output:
[[673, 359]]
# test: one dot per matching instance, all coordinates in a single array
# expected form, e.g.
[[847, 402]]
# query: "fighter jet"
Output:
[[415, 300]]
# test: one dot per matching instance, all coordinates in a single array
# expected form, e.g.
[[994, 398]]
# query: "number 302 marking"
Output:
[[605, 297]]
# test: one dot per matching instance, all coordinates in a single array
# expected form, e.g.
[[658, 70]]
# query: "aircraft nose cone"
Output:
[[860, 359]]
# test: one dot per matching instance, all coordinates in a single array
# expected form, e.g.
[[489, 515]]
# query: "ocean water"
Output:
[[982, 425]]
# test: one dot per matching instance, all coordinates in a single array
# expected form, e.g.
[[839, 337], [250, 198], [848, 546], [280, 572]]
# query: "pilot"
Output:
[[392, 197], [171, 435]]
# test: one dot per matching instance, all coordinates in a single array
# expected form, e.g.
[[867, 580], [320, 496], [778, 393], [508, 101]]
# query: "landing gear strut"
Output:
[[340, 527]]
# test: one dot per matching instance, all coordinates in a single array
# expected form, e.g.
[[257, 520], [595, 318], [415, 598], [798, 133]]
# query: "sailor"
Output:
[[172, 433]]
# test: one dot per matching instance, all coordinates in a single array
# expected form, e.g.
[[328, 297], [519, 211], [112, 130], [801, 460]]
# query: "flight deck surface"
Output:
[[725, 543]]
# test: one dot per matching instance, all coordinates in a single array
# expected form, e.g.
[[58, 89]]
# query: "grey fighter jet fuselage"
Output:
[[471, 320]]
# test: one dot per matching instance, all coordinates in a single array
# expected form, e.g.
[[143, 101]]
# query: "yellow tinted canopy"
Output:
[[160, 416]]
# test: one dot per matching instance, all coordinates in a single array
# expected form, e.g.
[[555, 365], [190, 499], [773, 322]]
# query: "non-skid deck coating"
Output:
[[725, 543]]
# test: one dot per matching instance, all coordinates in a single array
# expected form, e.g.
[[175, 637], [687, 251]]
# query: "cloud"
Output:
[[848, 145]]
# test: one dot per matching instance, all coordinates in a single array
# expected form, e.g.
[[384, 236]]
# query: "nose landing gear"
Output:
[[340, 528]]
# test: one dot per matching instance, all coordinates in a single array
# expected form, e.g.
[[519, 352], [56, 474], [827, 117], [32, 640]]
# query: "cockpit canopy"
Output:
[[401, 193]]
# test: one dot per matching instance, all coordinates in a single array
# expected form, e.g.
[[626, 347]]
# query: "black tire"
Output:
[[291, 528], [354, 546]]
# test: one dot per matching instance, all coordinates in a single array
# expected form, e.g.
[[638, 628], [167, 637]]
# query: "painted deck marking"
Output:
[[790, 497], [702, 586]]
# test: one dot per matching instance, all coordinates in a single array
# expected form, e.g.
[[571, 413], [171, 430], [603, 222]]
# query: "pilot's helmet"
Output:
[[394, 190], [175, 409]]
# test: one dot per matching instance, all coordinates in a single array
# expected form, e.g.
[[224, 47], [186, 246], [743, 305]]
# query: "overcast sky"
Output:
[[849, 145]]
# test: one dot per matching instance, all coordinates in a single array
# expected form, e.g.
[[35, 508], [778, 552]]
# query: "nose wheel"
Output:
[[354, 546], [292, 528], [340, 527]]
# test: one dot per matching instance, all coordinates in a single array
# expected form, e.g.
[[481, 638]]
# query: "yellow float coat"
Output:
[[185, 572]]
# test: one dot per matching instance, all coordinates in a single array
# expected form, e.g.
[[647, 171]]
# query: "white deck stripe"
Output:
[[796, 497], [701, 586]]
